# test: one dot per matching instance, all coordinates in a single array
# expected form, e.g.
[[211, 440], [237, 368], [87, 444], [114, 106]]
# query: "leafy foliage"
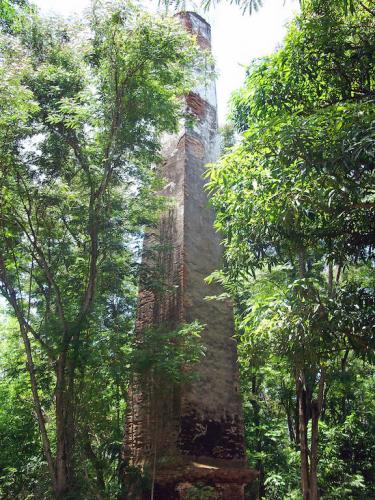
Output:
[[21, 462], [83, 107], [169, 354], [247, 6], [295, 202], [200, 492], [12, 14]]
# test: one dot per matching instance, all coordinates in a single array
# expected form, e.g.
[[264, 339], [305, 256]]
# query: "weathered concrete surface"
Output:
[[193, 433]]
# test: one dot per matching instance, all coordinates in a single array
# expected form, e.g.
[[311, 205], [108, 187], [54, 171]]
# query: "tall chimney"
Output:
[[189, 434]]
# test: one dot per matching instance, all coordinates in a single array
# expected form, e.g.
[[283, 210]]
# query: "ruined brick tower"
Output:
[[190, 435]]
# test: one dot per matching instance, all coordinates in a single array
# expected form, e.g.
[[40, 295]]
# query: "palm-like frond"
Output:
[[245, 5]]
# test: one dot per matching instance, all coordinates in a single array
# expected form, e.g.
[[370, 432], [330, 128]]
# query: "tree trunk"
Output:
[[344, 396], [65, 414], [302, 417], [64, 433], [258, 446], [11, 296], [289, 410], [314, 451], [316, 408], [38, 406], [296, 420]]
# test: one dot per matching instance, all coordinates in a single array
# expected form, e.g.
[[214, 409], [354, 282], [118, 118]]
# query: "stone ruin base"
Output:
[[214, 483]]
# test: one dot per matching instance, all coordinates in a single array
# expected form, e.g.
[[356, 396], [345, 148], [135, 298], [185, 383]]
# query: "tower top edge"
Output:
[[191, 13]]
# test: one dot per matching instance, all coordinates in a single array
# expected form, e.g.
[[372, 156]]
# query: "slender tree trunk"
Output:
[[330, 279], [292, 436], [256, 421], [314, 451], [11, 295], [64, 434], [302, 406], [296, 419], [38, 407], [316, 408], [302, 417], [289, 410], [71, 400], [343, 399], [65, 414]]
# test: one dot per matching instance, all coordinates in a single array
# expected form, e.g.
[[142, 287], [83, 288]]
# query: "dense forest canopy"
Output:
[[295, 201], [83, 107]]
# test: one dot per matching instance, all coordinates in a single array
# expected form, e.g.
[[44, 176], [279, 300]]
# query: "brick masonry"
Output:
[[184, 435]]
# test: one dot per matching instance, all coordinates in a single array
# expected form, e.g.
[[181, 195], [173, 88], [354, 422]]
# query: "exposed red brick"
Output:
[[169, 428], [202, 40], [196, 105]]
